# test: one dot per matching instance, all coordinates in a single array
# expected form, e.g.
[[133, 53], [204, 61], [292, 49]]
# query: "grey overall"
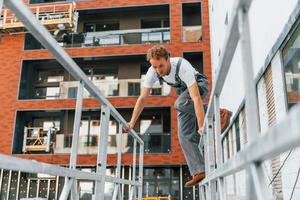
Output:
[[187, 121]]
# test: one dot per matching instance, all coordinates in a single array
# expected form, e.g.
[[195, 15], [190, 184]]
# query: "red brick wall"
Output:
[[12, 54]]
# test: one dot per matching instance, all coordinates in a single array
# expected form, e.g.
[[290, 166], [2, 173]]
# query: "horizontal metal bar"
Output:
[[29, 166], [266, 146], [46, 39]]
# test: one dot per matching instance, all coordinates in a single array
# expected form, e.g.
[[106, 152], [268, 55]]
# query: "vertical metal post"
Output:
[[218, 141], [38, 187], [28, 187], [181, 183], [221, 186], [72, 184], [119, 162], [259, 181], [1, 178], [141, 167], [252, 119], [8, 185], [74, 190], [76, 126], [132, 188], [201, 191], [48, 188], [102, 152], [123, 186], [56, 187], [18, 185], [211, 193], [194, 193], [66, 190]]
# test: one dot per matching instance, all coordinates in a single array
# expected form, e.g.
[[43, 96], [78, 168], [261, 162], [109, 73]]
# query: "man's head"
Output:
[[159, 57]]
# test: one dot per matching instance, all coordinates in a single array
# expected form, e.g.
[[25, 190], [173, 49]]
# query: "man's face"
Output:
[[160, 65]]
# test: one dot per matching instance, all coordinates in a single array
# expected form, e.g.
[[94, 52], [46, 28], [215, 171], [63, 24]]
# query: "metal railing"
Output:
[[260, 147], [110, 38], [32, 24]]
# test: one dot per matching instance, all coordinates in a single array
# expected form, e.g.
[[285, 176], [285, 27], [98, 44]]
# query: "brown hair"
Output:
[[158, 51]]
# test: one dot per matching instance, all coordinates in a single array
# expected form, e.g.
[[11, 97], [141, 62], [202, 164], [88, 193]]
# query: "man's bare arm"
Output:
[[198, 104], [138, 107]]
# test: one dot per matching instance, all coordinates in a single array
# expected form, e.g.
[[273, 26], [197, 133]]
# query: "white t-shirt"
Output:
[[186, 74]]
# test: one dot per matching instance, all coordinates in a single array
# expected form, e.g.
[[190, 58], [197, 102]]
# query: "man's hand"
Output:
[[126, 130], [200, 131]]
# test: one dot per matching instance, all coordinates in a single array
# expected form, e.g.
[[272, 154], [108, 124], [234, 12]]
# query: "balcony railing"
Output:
[[192, 33], [110, 88], [88, 144], [109, 38], [119, 37]]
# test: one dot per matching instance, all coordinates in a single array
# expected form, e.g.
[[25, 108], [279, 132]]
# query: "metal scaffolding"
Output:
[[72, 175], [260, 147]]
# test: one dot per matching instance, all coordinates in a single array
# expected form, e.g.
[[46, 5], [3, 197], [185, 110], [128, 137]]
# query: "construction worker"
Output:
[[192, 87]]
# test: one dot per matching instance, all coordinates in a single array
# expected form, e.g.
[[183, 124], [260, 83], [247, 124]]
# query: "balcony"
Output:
[[107, 38], [110, 88], [50, 132], [103, 27], [115, 76]]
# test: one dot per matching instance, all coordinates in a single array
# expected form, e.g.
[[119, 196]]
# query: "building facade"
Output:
[[108, 40], [274, 32]]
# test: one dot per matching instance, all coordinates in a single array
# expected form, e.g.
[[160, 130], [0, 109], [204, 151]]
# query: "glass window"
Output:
[[31, 42], [191, 14], [50, 76], [72, 92], [155, 23], [291, 62], [97, 27], [134, 89], [47, 92], [156, 140], [161, 182]]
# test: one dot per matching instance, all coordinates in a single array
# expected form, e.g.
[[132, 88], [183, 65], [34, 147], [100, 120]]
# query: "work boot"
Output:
[[225, 118], [195, 180]]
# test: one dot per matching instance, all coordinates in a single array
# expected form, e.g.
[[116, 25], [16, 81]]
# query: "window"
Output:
[[152, 132], [46, 92], [133, 89], [162, 182], [191, 14], [291, 62], [191, 21], [72, 92], [50, 76], [155, 23], [101, 26]]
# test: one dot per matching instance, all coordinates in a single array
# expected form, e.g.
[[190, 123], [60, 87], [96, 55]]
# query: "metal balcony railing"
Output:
[[260, 147], [72, 175]]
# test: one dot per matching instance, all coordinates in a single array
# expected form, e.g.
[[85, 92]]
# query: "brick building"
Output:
[[108, 40]]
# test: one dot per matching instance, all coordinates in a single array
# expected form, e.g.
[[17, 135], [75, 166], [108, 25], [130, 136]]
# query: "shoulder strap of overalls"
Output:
[[177, 78]]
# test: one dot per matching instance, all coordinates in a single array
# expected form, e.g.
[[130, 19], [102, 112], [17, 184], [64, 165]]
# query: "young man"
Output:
[[192, 88]]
